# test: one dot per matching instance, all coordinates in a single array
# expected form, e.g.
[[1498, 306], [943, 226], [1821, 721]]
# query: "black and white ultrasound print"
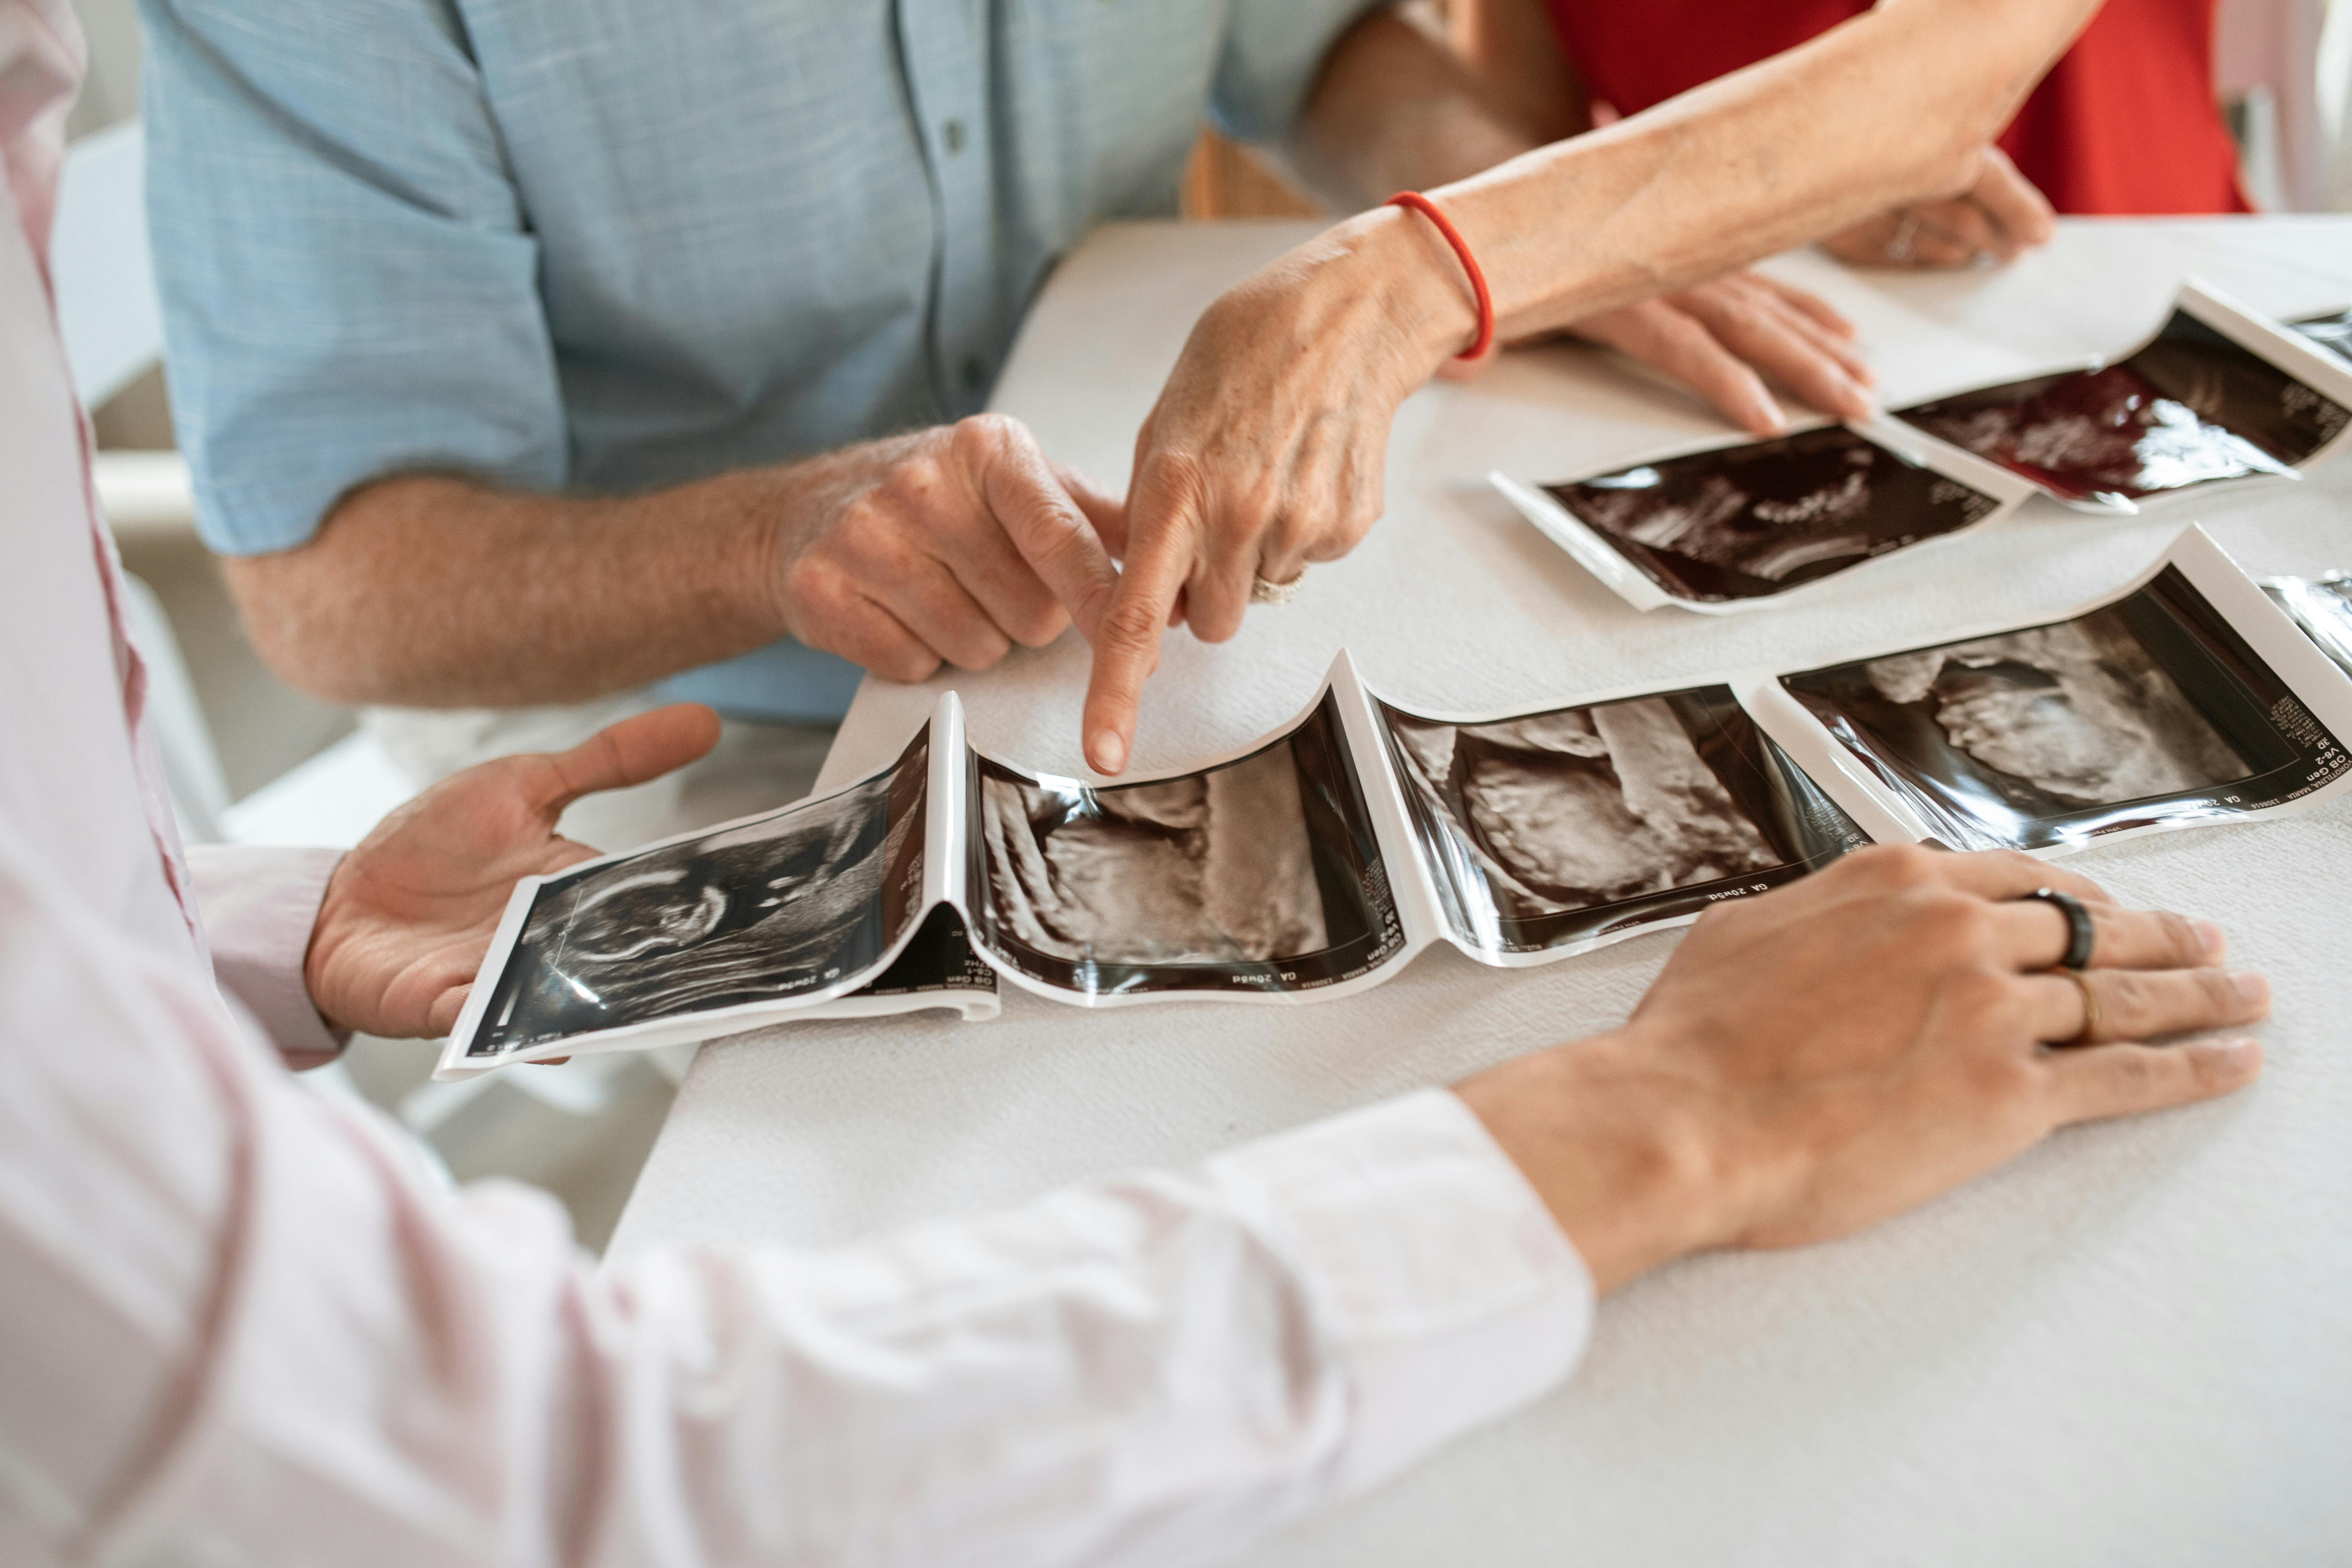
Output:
[[1261, 874], [2150, 711], [1562, 825], [780, 905], [1761, 518]]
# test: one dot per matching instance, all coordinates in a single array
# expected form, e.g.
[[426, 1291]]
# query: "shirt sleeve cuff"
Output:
[[1452, 1294], [258, 906]]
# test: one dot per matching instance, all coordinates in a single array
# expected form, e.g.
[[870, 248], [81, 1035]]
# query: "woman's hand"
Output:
[[1268, 448], [408, 914], [1825, 1055], [1723, 340], [1996, 218]]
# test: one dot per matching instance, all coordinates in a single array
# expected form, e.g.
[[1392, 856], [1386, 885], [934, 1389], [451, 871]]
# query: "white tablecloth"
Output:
[[2134, 1346]]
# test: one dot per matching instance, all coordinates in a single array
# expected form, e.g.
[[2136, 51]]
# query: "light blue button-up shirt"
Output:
[[612, 244]]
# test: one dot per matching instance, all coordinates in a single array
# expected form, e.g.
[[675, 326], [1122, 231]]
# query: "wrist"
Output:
[[1398, 259], [1622, 1154]]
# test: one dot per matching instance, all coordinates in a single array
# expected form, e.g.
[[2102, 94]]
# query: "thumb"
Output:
[[641, 747]]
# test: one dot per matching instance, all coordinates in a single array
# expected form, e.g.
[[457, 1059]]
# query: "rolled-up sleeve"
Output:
[[258, 907], [1273, 51], [348, 279]]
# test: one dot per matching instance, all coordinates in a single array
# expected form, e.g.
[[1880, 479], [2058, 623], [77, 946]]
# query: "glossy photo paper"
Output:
[[1318, 860]]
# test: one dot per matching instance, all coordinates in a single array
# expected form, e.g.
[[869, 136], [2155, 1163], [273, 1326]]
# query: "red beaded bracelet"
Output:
[[1429, 209]]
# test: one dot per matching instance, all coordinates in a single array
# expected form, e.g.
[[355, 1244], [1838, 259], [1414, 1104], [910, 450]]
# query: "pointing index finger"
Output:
[[1127, 638]]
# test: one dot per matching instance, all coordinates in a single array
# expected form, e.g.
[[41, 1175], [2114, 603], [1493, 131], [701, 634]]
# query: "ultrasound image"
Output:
[[1232, 875], [2193, 407], [1742, 522], [1556, 815], [774, 907], [2034, 737]]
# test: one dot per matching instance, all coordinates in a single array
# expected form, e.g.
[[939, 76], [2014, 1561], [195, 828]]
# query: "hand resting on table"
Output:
[[1845, 1048]]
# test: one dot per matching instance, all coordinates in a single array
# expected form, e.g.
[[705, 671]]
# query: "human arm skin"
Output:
[[1267, 448], [946, 545], [1516, 53], [1395, 108], [1850, 1046]]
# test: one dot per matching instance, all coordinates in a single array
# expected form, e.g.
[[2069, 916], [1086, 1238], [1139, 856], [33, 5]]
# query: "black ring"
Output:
[[2080, 933]]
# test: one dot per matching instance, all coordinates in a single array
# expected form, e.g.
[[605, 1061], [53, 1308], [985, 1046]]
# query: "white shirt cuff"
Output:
[[258, 906], [1454, 1296]]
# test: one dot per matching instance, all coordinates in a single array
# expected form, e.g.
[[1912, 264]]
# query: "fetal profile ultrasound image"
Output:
[[1742, 522], [1564, 825], [2193, 407], [771, 908], [2150, 710], [1259, 873]]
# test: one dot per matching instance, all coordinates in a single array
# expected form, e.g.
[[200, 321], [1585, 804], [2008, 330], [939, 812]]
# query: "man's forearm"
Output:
[[436, 591]]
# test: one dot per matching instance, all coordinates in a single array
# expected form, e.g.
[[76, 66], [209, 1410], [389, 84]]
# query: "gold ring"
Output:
[[2091, 1015], [1265, 592]]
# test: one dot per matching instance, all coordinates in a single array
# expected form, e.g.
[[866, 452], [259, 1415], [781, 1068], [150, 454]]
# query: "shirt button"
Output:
[[952, 134], [975, 374]]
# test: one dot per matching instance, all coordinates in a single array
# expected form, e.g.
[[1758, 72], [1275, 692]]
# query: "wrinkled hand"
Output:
[[1835, 1052], [944, 546], [1996, 218], [1723, 338], [1268, 448], [408, 915]]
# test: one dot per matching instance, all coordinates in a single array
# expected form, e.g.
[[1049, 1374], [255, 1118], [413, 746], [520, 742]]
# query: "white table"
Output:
[[2134, 1346]]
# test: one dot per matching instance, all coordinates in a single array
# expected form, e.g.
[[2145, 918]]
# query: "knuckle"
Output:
[[1038, 625], [1981, 1000], [2217, 994], [1895, 867], [2127, 996], [1949, 922], [2001, 1076], [2135, 1075], [2178, 940], [987, 649], [1131, 623], [986, 434]]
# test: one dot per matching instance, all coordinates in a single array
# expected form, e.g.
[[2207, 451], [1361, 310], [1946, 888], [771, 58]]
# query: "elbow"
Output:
[[299, 614]]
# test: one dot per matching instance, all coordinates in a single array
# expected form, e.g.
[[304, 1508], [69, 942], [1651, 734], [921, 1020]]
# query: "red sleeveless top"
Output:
[[2126, 123]]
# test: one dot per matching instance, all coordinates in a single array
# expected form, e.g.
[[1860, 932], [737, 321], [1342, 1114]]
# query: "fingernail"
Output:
[[1109, 752], [2210, 937], [2252, 986]]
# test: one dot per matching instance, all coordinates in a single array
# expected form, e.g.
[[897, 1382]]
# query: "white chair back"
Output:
[[107, 307]]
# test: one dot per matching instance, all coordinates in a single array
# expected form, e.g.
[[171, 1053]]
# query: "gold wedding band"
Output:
[[2091, 1015], [1265, 592]]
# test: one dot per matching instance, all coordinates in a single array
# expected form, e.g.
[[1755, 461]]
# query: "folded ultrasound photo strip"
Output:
[[2216, 395], [1316, 862]]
